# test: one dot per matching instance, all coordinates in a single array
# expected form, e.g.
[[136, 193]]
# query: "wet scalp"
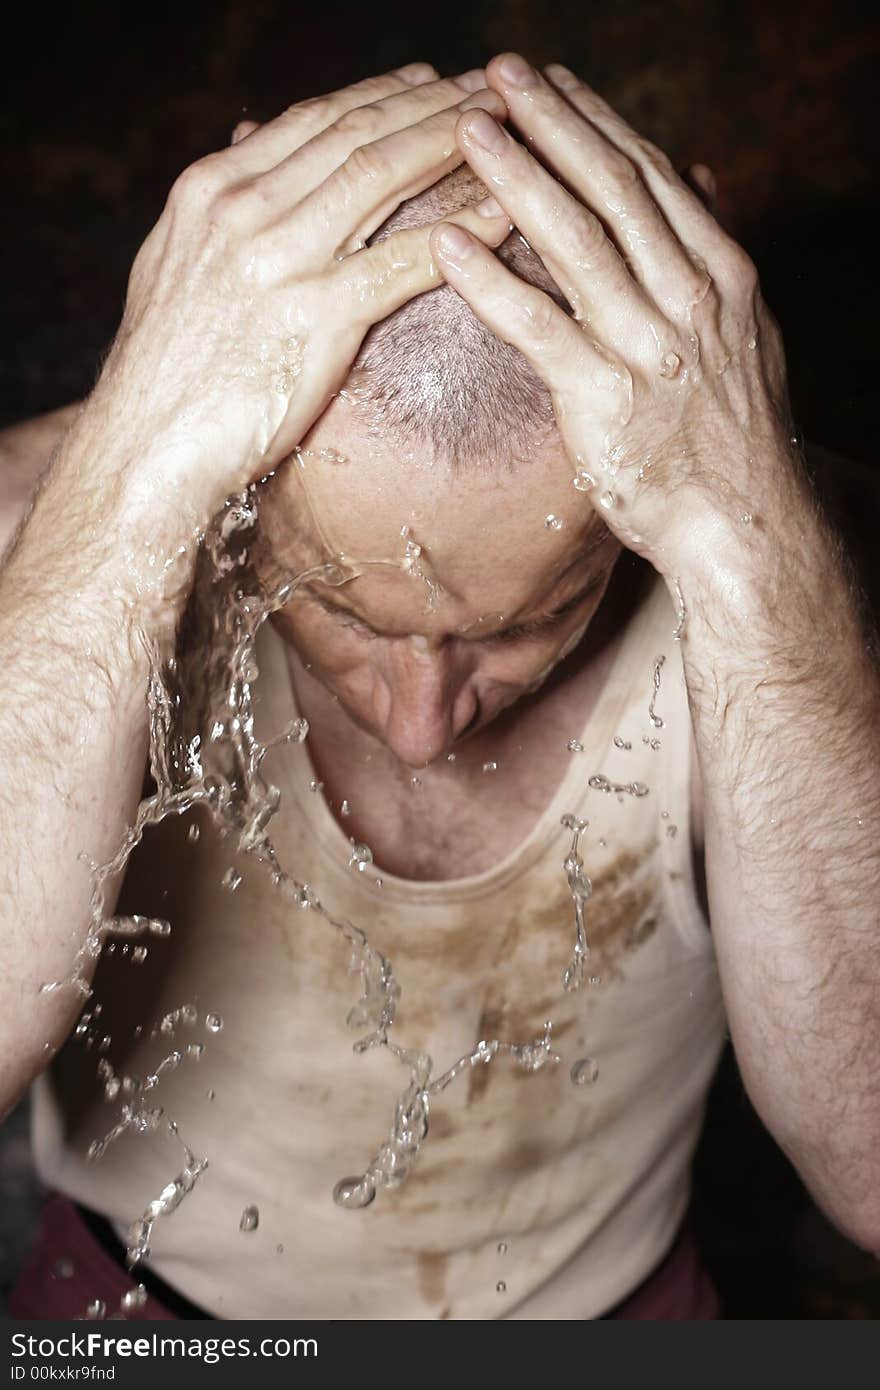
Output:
[[433, 375]]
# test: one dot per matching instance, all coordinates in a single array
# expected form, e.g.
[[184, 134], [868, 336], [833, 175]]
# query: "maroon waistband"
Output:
[[76, 1262]]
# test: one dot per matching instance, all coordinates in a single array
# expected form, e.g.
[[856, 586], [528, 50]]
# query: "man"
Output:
[[464, 694]]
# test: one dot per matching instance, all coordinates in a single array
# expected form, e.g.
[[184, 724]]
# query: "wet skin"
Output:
[[421, 657]]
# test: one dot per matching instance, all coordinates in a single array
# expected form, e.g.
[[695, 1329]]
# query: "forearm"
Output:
[[76, 592], [785, 701]]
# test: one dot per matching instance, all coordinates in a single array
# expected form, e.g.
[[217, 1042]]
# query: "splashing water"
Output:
[[581, 890], [250, 1219], [204, 752], [652, 713], [678, 632]]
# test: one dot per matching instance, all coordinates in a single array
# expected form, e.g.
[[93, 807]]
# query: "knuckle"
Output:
[[651, 157], [740, 271], [361, 123], [366, 164], [586, 236], [199, 184], [621, 175], [540, 315], [313, 114]]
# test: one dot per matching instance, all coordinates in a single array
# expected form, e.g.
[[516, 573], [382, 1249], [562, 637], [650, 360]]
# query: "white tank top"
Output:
[[533, 1197]]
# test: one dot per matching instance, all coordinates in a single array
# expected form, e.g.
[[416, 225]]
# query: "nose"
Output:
[[430, 701]]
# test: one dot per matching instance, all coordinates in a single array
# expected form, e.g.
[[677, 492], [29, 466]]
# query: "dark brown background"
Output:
[[101, 110]]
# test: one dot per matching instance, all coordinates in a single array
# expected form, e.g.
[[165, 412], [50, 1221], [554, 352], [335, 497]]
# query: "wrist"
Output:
[[113, 518]]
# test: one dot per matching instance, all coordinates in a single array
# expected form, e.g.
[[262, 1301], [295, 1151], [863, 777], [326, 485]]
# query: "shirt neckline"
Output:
[[334, 845]]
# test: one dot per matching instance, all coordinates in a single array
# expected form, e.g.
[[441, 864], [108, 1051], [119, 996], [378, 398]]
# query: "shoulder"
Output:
[[25, 451]]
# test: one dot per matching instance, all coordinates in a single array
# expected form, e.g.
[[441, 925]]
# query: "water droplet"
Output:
[[655, 744], [63, 1267], [345, 809], [354, 1192], [415, 781], [96, 1310], [553, 523], [490, 767], [752, 344], [138, 955], [250, 1219], [574, 746], [231, 879], [450, 757], [315, 786], [501, 1287], [669, 364], [360, 857], [210, 1093], [746, 518], [584, 481], [134, 1298], [502, 1247], [621, 743], [213, 1022], [196, 1051], [159, 927], [584, 1071], [193, 834], [672, 831], [607, 500]]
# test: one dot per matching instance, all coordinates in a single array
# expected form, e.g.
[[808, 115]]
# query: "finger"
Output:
[[277, 139], [604, 178], [567, 236], [361, 128], [683, 209], [376, 178], [243, 130], [521, 315], [700, 178], [474, 80], [383, 277]]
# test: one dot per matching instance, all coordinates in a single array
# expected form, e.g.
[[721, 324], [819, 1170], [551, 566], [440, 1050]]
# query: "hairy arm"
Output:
[[669, 388], [246, 307], [785, 701], [73, 674]]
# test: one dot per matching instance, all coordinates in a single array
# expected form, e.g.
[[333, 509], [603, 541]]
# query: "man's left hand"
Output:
[[668, 376]]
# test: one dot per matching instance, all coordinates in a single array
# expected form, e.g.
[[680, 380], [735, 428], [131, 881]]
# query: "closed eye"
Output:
[[539, 627], [518, 632]]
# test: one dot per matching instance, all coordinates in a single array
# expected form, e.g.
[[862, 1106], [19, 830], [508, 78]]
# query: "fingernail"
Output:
[[474, 80], [416, 73], [515, 69], [560, 76], [486, 132], [453, 242], [490, 207]]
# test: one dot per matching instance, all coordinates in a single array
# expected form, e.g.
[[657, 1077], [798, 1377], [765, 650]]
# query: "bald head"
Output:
[[433, 376]]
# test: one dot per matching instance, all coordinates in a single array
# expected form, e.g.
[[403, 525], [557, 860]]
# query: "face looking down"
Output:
[[471, 584]]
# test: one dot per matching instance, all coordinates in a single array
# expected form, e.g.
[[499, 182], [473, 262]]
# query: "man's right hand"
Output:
[[250, 298]]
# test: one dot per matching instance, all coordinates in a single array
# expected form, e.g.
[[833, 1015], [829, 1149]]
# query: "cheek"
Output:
[[517, 667], [337, 656]]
